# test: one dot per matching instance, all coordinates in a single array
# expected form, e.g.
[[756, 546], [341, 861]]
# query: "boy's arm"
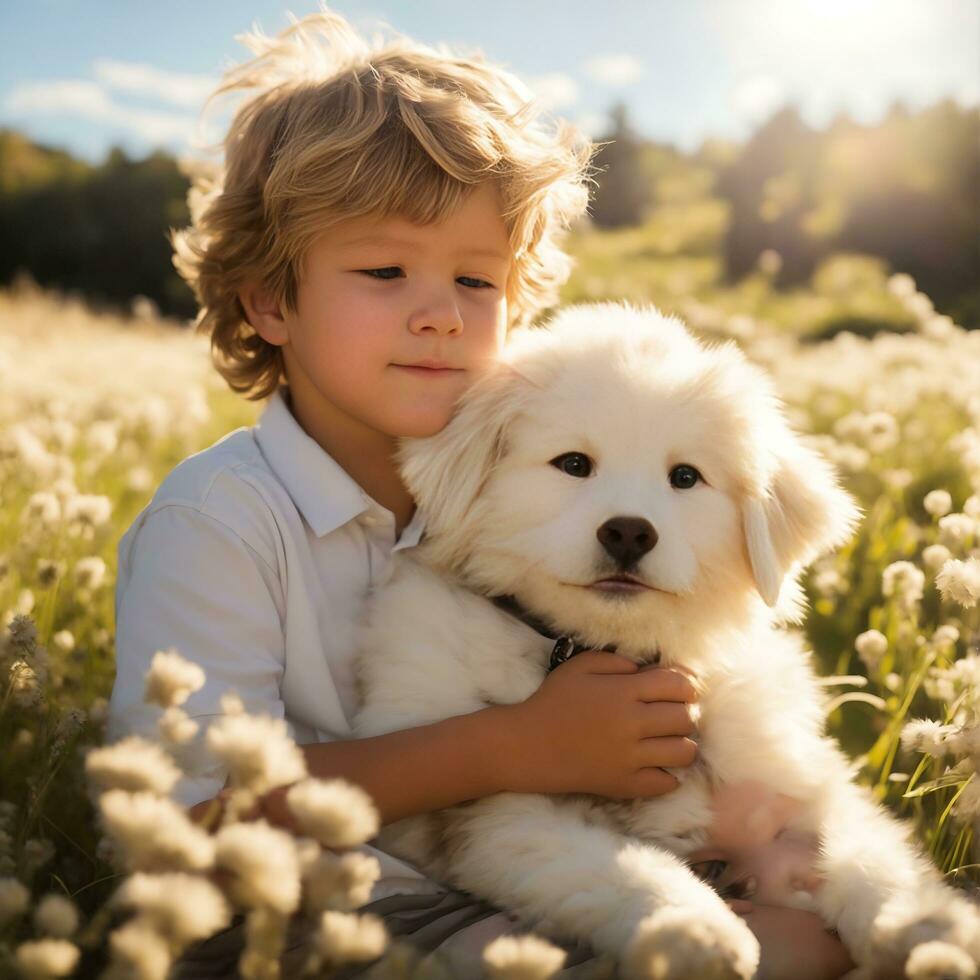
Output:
[[188, 580], [796, 945], [411, 771]]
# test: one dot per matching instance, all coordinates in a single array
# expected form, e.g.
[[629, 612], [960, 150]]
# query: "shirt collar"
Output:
[[324, 492]]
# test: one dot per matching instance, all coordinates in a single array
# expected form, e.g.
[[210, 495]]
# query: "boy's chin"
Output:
[[421, 426]]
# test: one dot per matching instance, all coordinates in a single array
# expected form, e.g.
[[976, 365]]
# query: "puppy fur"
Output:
[[634, 391]]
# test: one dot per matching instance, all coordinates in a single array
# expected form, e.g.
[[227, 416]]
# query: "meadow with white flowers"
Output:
[[102, 874]]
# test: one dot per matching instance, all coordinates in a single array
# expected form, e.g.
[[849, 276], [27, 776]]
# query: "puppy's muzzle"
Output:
[[627, 539]]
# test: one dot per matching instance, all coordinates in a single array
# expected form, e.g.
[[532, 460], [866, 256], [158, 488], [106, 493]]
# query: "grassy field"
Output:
[[96, 409]]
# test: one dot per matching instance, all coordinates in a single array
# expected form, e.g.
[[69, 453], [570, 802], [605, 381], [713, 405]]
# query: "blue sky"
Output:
[[85, 76]]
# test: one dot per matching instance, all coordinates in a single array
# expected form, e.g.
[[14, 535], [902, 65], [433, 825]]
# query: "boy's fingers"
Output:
[[668, 718], [669, 750], [664, 684], [651, 781], [603, 662]]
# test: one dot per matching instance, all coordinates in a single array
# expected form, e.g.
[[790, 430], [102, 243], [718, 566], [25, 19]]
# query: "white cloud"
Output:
[[615, 69], [134, 78], [755, 99], [554, 91], [90, 100], [593, 124], [853, 55]]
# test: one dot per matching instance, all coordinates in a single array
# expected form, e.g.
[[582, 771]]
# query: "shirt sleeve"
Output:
[[191, 582]]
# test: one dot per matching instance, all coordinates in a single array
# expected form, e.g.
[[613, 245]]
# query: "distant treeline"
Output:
[[906, 189]]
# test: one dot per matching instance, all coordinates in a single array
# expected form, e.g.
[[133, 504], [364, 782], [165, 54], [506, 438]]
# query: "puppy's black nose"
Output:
[[627, 539]]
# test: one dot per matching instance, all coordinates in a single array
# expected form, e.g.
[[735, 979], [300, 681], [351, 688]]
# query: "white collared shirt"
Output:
[[254, 559]]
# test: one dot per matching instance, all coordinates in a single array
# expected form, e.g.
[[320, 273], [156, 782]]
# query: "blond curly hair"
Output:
[[335, 128]]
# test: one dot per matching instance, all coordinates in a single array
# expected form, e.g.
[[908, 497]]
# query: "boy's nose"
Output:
[[785, 875], [441, 317]]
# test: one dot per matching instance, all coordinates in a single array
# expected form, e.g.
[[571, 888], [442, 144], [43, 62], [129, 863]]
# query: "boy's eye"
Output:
[[574, 464], [684, 477], [382, 273], [710, 871], [389, 272]]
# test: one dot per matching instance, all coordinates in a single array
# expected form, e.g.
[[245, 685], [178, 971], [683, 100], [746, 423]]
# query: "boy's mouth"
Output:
[[429, 368]]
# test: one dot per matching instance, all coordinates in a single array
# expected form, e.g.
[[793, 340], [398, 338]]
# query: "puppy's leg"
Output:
[[539, 857], [882, 895]]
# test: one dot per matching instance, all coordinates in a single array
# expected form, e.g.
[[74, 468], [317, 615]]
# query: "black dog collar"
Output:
[[566, 645]]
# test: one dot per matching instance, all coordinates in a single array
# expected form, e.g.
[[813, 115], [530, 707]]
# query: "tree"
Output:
[[625, 190]]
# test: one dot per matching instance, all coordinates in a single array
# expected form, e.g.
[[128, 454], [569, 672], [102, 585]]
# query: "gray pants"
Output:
[[453, 926]]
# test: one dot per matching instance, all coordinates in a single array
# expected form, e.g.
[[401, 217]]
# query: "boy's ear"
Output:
[[802, 513], [263, 312], [446, 472]]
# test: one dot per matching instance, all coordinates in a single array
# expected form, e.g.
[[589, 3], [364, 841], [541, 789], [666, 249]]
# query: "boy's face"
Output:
[[380, 295]]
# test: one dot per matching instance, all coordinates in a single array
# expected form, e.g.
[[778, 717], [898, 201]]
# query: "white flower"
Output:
[[881, 431], [25, 602], [102, 437], [90, 572], [64, 641], [257, 750], [901, 285], [56, 916], [98, 710], [347, 938], [46, 958], [946, 684], [955, 529], [828, 582], [338, 881], [139, 479], [154, 833], [49, 571], [92, 510], [132, 764], [967, 807], [175, 726], [335, 812], [140, 951], [904, 581], [171, 679], [938, 503], [945, 635], [972, 506], [14, 898], [925, 735], [935, 556], [522, 958], [183, 907], [959, 581], [265, 865], [871, 646], [42, 508]]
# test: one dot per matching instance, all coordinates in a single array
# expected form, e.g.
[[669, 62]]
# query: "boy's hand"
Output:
[[796, 945], [600, 724]]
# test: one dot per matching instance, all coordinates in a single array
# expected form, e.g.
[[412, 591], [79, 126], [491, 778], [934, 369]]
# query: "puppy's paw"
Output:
[[940, 938], [677, 943], [940, 961]]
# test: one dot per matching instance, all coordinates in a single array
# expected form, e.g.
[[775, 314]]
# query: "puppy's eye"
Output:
[[684, 477], [574, 464]]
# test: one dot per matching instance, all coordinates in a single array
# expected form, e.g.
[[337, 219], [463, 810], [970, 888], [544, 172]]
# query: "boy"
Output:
[[383, 218]]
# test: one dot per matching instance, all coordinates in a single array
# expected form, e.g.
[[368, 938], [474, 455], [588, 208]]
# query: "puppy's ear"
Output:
[[445, 472], [802, 513]]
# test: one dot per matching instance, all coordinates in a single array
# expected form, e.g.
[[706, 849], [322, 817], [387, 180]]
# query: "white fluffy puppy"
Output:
[[613, 444]]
